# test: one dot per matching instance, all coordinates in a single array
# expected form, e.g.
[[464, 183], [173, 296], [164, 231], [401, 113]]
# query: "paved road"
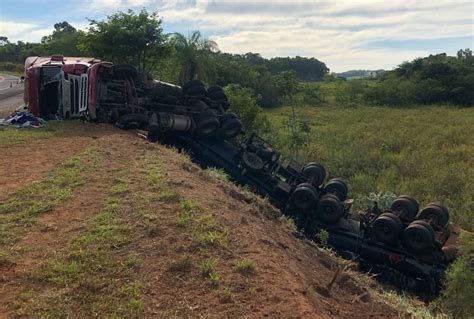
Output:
[[10, 97]]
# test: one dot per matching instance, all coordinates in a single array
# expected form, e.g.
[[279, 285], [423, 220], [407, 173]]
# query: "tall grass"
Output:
[[427, 152]]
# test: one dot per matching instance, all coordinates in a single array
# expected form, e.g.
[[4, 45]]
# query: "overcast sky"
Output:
[[356, 34]]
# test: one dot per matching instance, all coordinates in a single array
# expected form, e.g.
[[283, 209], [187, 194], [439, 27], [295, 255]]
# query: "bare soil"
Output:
[[290, 276]]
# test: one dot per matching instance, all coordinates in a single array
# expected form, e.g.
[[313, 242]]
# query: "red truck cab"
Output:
[[58, 85]]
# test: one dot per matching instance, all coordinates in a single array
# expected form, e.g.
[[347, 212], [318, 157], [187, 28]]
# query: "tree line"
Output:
[[138, 38]]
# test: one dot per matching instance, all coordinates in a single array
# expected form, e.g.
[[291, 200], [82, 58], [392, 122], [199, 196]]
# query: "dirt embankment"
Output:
[[146, 233]]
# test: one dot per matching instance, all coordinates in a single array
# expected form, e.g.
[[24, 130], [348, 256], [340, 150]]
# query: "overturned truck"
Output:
[[404, 245]]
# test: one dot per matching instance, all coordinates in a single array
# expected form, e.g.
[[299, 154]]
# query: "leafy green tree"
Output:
[[127, 37], [193, 54], [287, 83], [243, 102], [63, 40]]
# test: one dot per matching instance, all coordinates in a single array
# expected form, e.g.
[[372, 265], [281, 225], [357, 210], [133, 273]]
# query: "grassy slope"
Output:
[[427, 152]]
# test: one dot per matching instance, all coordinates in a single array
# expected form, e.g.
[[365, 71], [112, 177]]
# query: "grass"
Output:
[[208, 270], [217, 173], [427, 152], [86, 275], [245, 266], [20, 212], [11, 135]]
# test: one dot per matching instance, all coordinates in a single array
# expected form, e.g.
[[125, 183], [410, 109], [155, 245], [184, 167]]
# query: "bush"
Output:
[[458, 295], [243, 102]]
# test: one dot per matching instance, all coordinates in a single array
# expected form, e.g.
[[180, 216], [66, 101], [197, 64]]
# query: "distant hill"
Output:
[[359, 74]]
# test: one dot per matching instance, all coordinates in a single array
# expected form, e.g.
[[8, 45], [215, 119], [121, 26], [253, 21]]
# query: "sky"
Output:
[[346, 35]]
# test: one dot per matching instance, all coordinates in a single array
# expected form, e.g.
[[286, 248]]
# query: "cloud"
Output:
[[343, 34], [28, 32], [337, 32]]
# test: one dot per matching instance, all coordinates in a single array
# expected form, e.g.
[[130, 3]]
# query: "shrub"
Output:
[[458, 294]]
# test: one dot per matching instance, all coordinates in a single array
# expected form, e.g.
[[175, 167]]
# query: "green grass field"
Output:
[[427, 152]]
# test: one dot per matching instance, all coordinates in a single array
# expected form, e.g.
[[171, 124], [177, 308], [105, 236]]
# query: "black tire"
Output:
[[405, 205], [225, 105], [206, 124], [388, 228], [132, 121], [304, 196], [436, 213], [315, 173], [196, 91], [329, 209], [217, 96], [230, 128], [215, 88], [124, 71], [192, 83], [252, 161], [419, 237], [338, 187]]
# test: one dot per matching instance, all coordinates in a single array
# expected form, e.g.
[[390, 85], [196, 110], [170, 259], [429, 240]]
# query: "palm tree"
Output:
[[194, 55]]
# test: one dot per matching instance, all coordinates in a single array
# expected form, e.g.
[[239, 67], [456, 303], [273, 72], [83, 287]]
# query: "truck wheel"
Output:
[[252, 161], [436, 213], [338, 187], [407, 205], [387, 228], [419, 236], [315, 173], [214, 88], [304, 196], [206, 124], [196, 91], [329, 209], [217, 96], [230, 127], [132, 121], [192, 83]]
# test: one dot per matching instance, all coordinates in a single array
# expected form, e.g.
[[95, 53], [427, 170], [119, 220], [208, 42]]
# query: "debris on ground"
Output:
[[23, 119]]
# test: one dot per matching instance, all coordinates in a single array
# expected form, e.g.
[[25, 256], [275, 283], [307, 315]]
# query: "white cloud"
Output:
[[336, 32], [343, 34]]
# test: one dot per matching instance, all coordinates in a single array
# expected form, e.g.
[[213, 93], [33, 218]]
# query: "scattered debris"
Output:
[[23, 119]]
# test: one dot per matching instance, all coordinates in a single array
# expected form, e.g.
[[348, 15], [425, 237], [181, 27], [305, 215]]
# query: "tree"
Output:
[[127, 37], [63, 40], [193, 55]]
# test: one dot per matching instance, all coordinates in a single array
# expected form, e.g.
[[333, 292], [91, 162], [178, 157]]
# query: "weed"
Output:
[[187, 205], [183, 218], [214, 279], [120, 188], [322, 236], [214, 238], [3, 258], [207, 266], [184, 264], [217, 173], [288, 223], [131, 261], [168, 196], [245, 266], [224, 295], [154, 178]]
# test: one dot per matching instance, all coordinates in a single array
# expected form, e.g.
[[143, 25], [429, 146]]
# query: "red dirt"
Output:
[[291, 274]]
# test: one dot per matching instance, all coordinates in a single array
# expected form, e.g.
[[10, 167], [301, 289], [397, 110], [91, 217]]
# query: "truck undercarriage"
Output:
[[406, 246]]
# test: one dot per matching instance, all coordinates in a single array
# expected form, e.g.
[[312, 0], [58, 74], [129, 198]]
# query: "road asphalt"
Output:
[[10, 97]]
